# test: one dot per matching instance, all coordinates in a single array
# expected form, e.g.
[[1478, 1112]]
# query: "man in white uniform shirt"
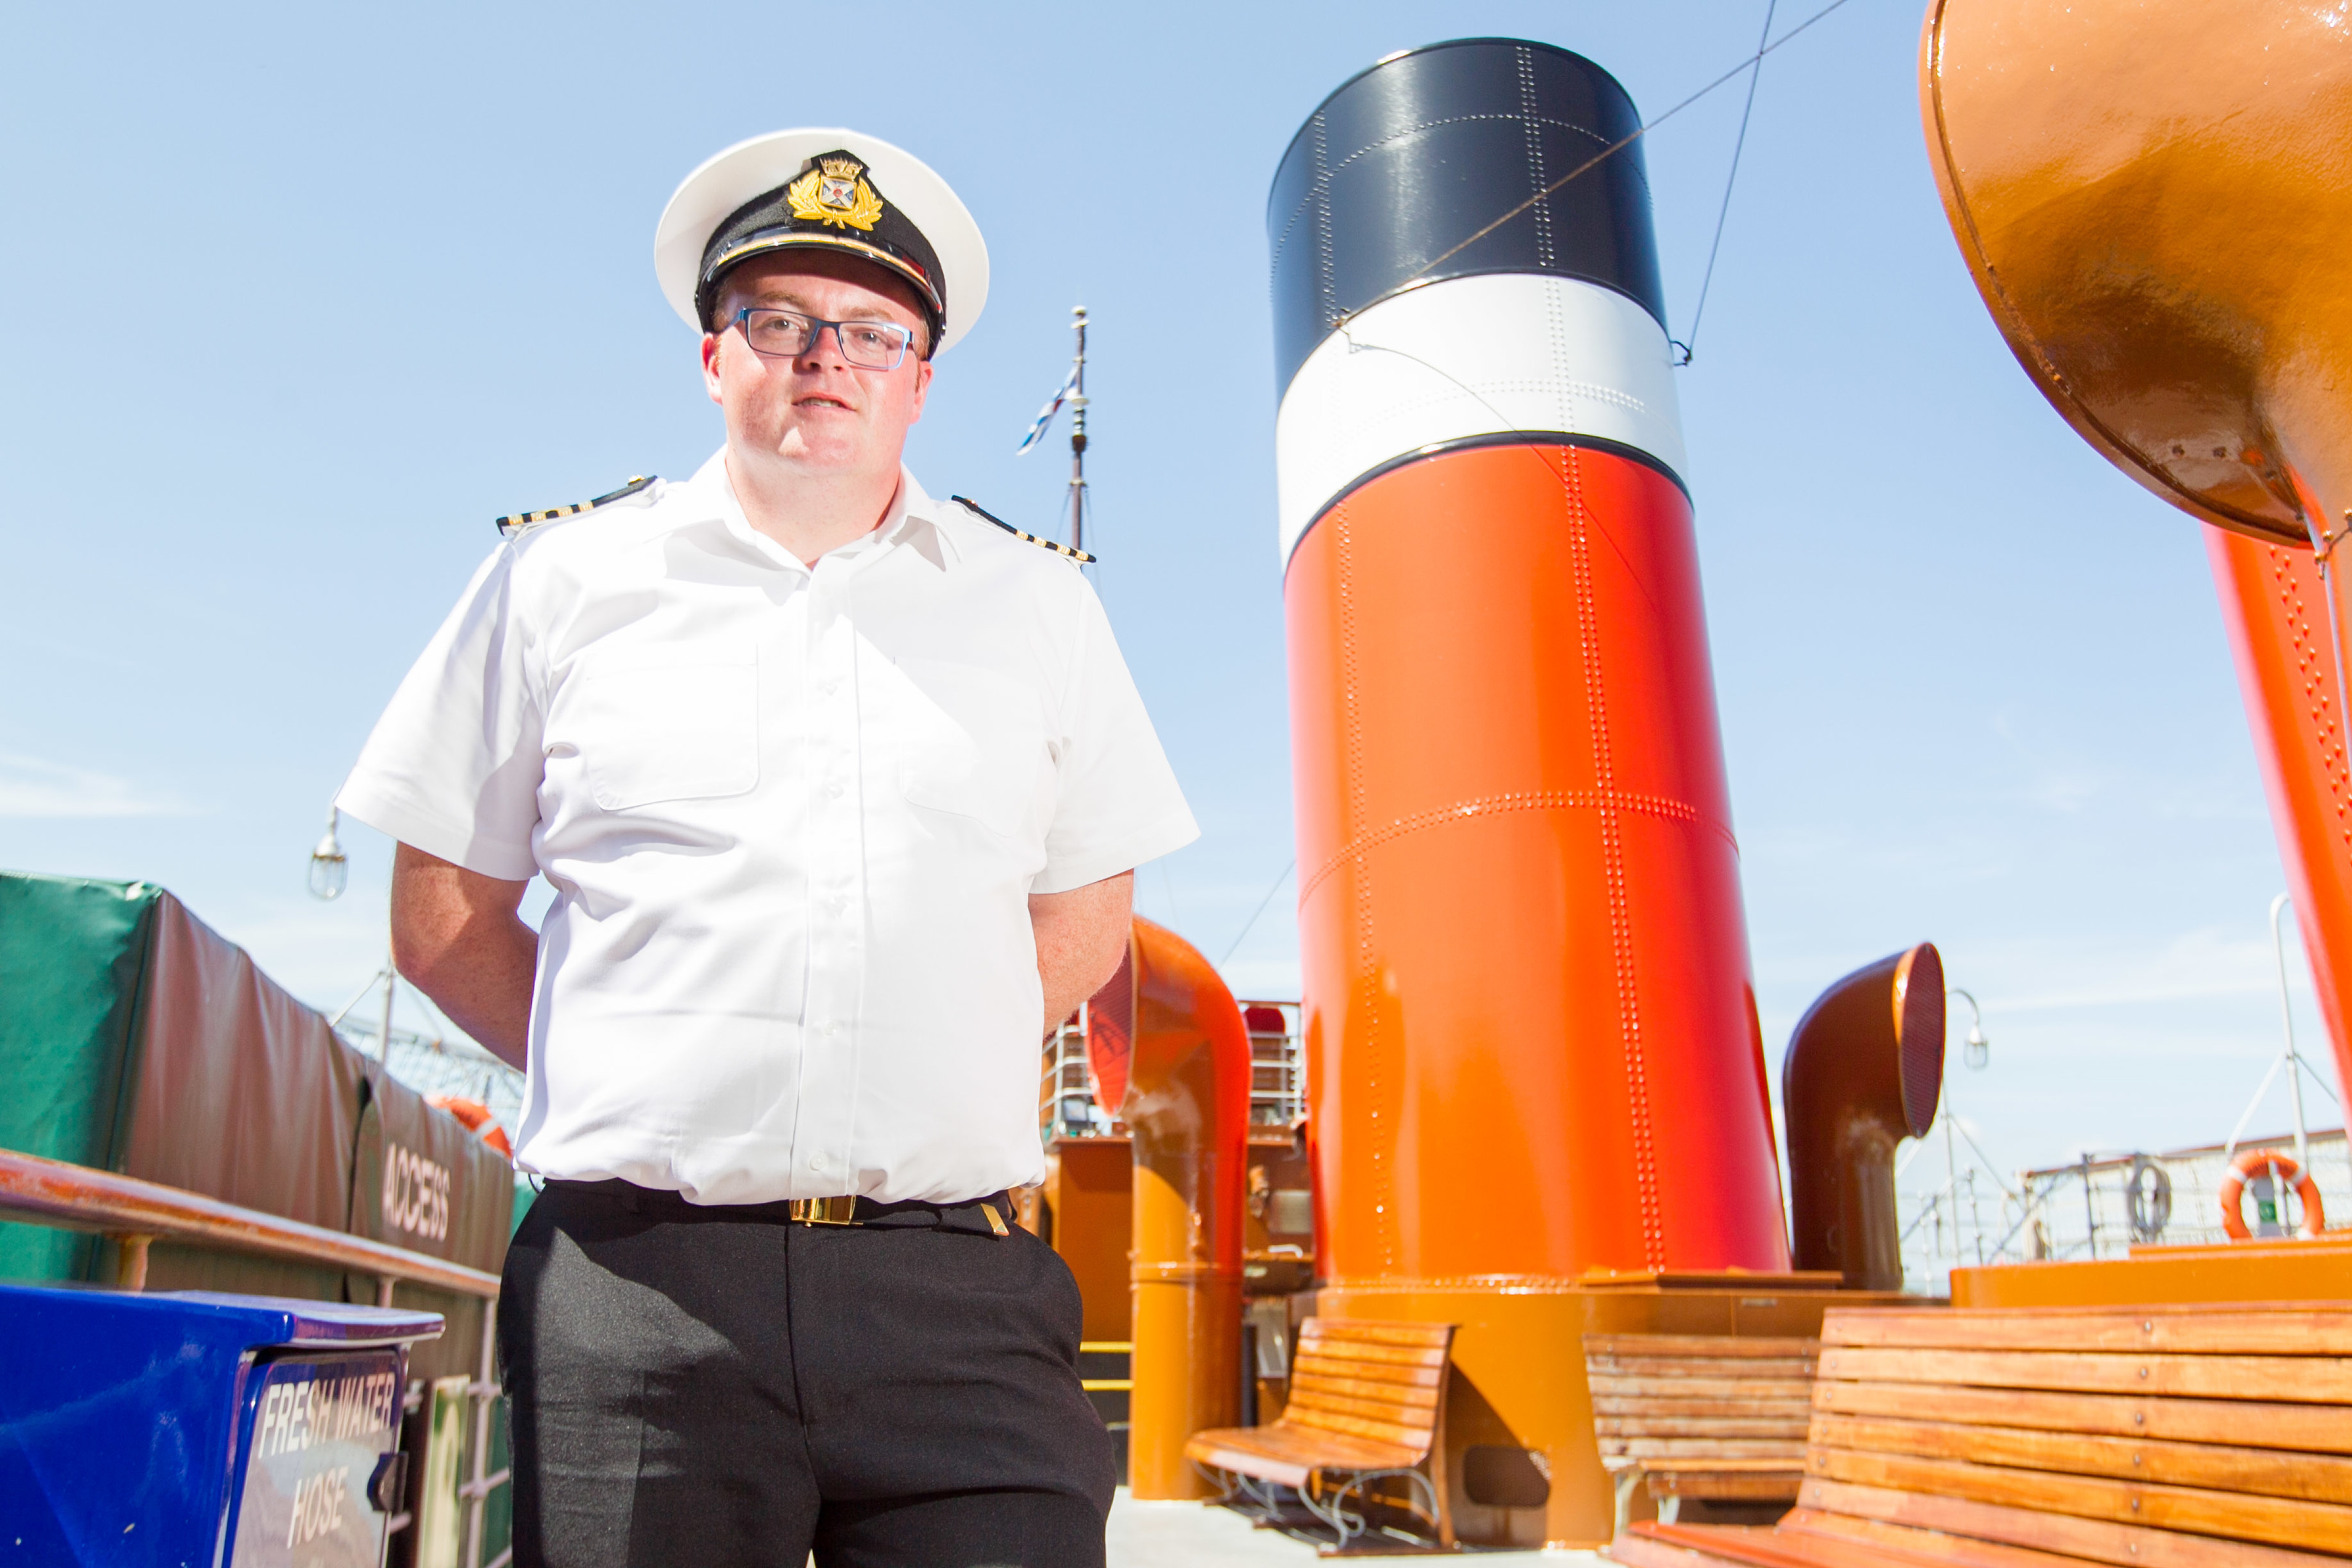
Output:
[[840, 790]]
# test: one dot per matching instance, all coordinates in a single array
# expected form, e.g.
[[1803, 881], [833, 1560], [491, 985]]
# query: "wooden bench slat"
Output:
[[2193, 1331], [2125, 1545], [2278, 1520], [1369, 1371], [1726, 1346], [1641, 1552], [1402, 1415], [1206, 1448], [1772, 1466], [1709, 1426], [1720, 1483], [1792, 1409], [1932, 1545], [2313, 1477], [1289, 1443], [1406, 1438], [1702, 1387], [1362, 1351], [1790, 1449], [1401, 1397], [2295, 1379], [2246, 1423], [1686, 1547], [1283, 1456], [1761, 1368], [1419, 1336]]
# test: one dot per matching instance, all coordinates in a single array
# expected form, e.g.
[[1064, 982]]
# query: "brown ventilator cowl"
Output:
[[1864, 1071]]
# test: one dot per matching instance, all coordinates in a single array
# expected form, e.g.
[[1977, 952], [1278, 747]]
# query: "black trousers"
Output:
[[717, 1387]]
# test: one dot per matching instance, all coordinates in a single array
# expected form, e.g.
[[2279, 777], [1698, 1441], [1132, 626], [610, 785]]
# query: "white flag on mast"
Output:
[[1046, 415]]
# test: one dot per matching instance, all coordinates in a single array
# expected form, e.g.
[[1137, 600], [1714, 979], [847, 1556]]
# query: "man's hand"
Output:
[[1081, 936], [454, 934]]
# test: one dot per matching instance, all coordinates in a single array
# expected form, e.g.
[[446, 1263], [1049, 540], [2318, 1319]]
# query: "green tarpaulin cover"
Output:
[[71, 956], [135, 1038]]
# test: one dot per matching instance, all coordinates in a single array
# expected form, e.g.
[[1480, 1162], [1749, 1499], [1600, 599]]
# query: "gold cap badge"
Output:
[[835, 193]]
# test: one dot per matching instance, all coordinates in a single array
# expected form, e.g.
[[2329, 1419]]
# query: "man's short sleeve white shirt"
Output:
[[791, 816]]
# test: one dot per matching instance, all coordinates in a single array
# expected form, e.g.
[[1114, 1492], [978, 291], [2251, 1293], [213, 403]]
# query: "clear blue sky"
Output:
[[294, 301]]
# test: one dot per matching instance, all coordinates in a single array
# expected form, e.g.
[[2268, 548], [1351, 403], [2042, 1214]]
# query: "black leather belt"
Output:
[[979, 1217]]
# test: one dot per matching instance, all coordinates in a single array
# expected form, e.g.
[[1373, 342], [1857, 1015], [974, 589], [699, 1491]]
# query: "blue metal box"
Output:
[[191, 1430]]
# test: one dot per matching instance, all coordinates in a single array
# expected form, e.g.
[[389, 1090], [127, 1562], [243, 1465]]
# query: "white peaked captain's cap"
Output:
[[822, 188]]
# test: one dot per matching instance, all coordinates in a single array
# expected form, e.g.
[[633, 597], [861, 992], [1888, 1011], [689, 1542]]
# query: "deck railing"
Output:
[[134, 1214]]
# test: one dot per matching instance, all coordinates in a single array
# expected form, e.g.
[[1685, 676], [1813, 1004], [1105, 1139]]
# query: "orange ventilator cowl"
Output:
[[1184, 1060], [2153, 201], [1531, 1041]]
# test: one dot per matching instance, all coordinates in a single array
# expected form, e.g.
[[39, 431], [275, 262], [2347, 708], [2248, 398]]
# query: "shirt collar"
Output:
[[914, 519]]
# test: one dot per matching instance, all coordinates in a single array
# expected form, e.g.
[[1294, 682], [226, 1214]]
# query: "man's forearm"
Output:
[[455, 936], [1081, 935]]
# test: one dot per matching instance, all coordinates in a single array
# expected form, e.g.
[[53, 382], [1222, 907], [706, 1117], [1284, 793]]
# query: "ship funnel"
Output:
[[1529, 1037]]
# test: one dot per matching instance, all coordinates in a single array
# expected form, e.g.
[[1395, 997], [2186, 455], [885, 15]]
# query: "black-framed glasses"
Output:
[[786, 334]]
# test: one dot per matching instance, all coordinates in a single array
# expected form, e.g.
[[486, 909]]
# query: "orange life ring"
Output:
[[476, 1118], [2249, 1164]]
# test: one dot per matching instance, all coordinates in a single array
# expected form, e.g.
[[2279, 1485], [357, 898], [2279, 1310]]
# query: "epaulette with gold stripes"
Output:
[[510, 526], [1054, 545]]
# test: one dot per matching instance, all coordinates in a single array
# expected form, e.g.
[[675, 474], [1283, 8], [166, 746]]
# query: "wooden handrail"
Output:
[[77, 1197]]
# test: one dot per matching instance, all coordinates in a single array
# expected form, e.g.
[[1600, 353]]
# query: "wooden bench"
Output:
[[2171, 1437], [1367, 1404], [1699, 1416]]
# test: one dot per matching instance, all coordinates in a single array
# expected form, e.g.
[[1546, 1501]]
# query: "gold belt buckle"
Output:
[[824, 1211]]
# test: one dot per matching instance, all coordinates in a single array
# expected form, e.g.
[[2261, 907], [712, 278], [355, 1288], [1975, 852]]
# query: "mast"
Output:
[[1079, 432]]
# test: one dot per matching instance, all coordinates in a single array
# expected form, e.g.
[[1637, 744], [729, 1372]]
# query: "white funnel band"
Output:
[[1471, 358]]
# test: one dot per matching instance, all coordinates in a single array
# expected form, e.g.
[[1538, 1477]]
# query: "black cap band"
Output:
[[831, 205]]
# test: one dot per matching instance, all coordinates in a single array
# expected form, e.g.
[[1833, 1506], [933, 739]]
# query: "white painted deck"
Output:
[[1195, 1535]]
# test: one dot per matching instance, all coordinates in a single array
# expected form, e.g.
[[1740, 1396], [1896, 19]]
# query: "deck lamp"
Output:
[[1976, 1050], [330, 868]]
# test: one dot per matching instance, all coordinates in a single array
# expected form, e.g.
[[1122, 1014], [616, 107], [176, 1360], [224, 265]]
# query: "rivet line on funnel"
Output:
[[1521, 800], [2313, 664], [1528, 121], [1379, 1075], [1321, 196], [1612, 861]]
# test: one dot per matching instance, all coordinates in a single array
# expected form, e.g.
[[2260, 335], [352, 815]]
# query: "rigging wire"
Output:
[[1613, 148], [1689, 345], [1251, 923]]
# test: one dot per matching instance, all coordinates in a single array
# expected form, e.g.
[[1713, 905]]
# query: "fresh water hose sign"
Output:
[[2149, 1195]]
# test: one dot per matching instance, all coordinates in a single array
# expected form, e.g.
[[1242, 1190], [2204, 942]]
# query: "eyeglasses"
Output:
[[785, 334]]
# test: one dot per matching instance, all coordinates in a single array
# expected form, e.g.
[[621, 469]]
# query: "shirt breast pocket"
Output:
[[686, 729], [988, 758]]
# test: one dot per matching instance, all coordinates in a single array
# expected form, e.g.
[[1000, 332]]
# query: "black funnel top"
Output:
[[1409, 159]]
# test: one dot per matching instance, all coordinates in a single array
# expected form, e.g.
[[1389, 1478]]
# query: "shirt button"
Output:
[[817, 1162], [833, 789]]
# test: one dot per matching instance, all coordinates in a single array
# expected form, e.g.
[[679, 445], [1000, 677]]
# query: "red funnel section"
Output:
[[1531, 1045]]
